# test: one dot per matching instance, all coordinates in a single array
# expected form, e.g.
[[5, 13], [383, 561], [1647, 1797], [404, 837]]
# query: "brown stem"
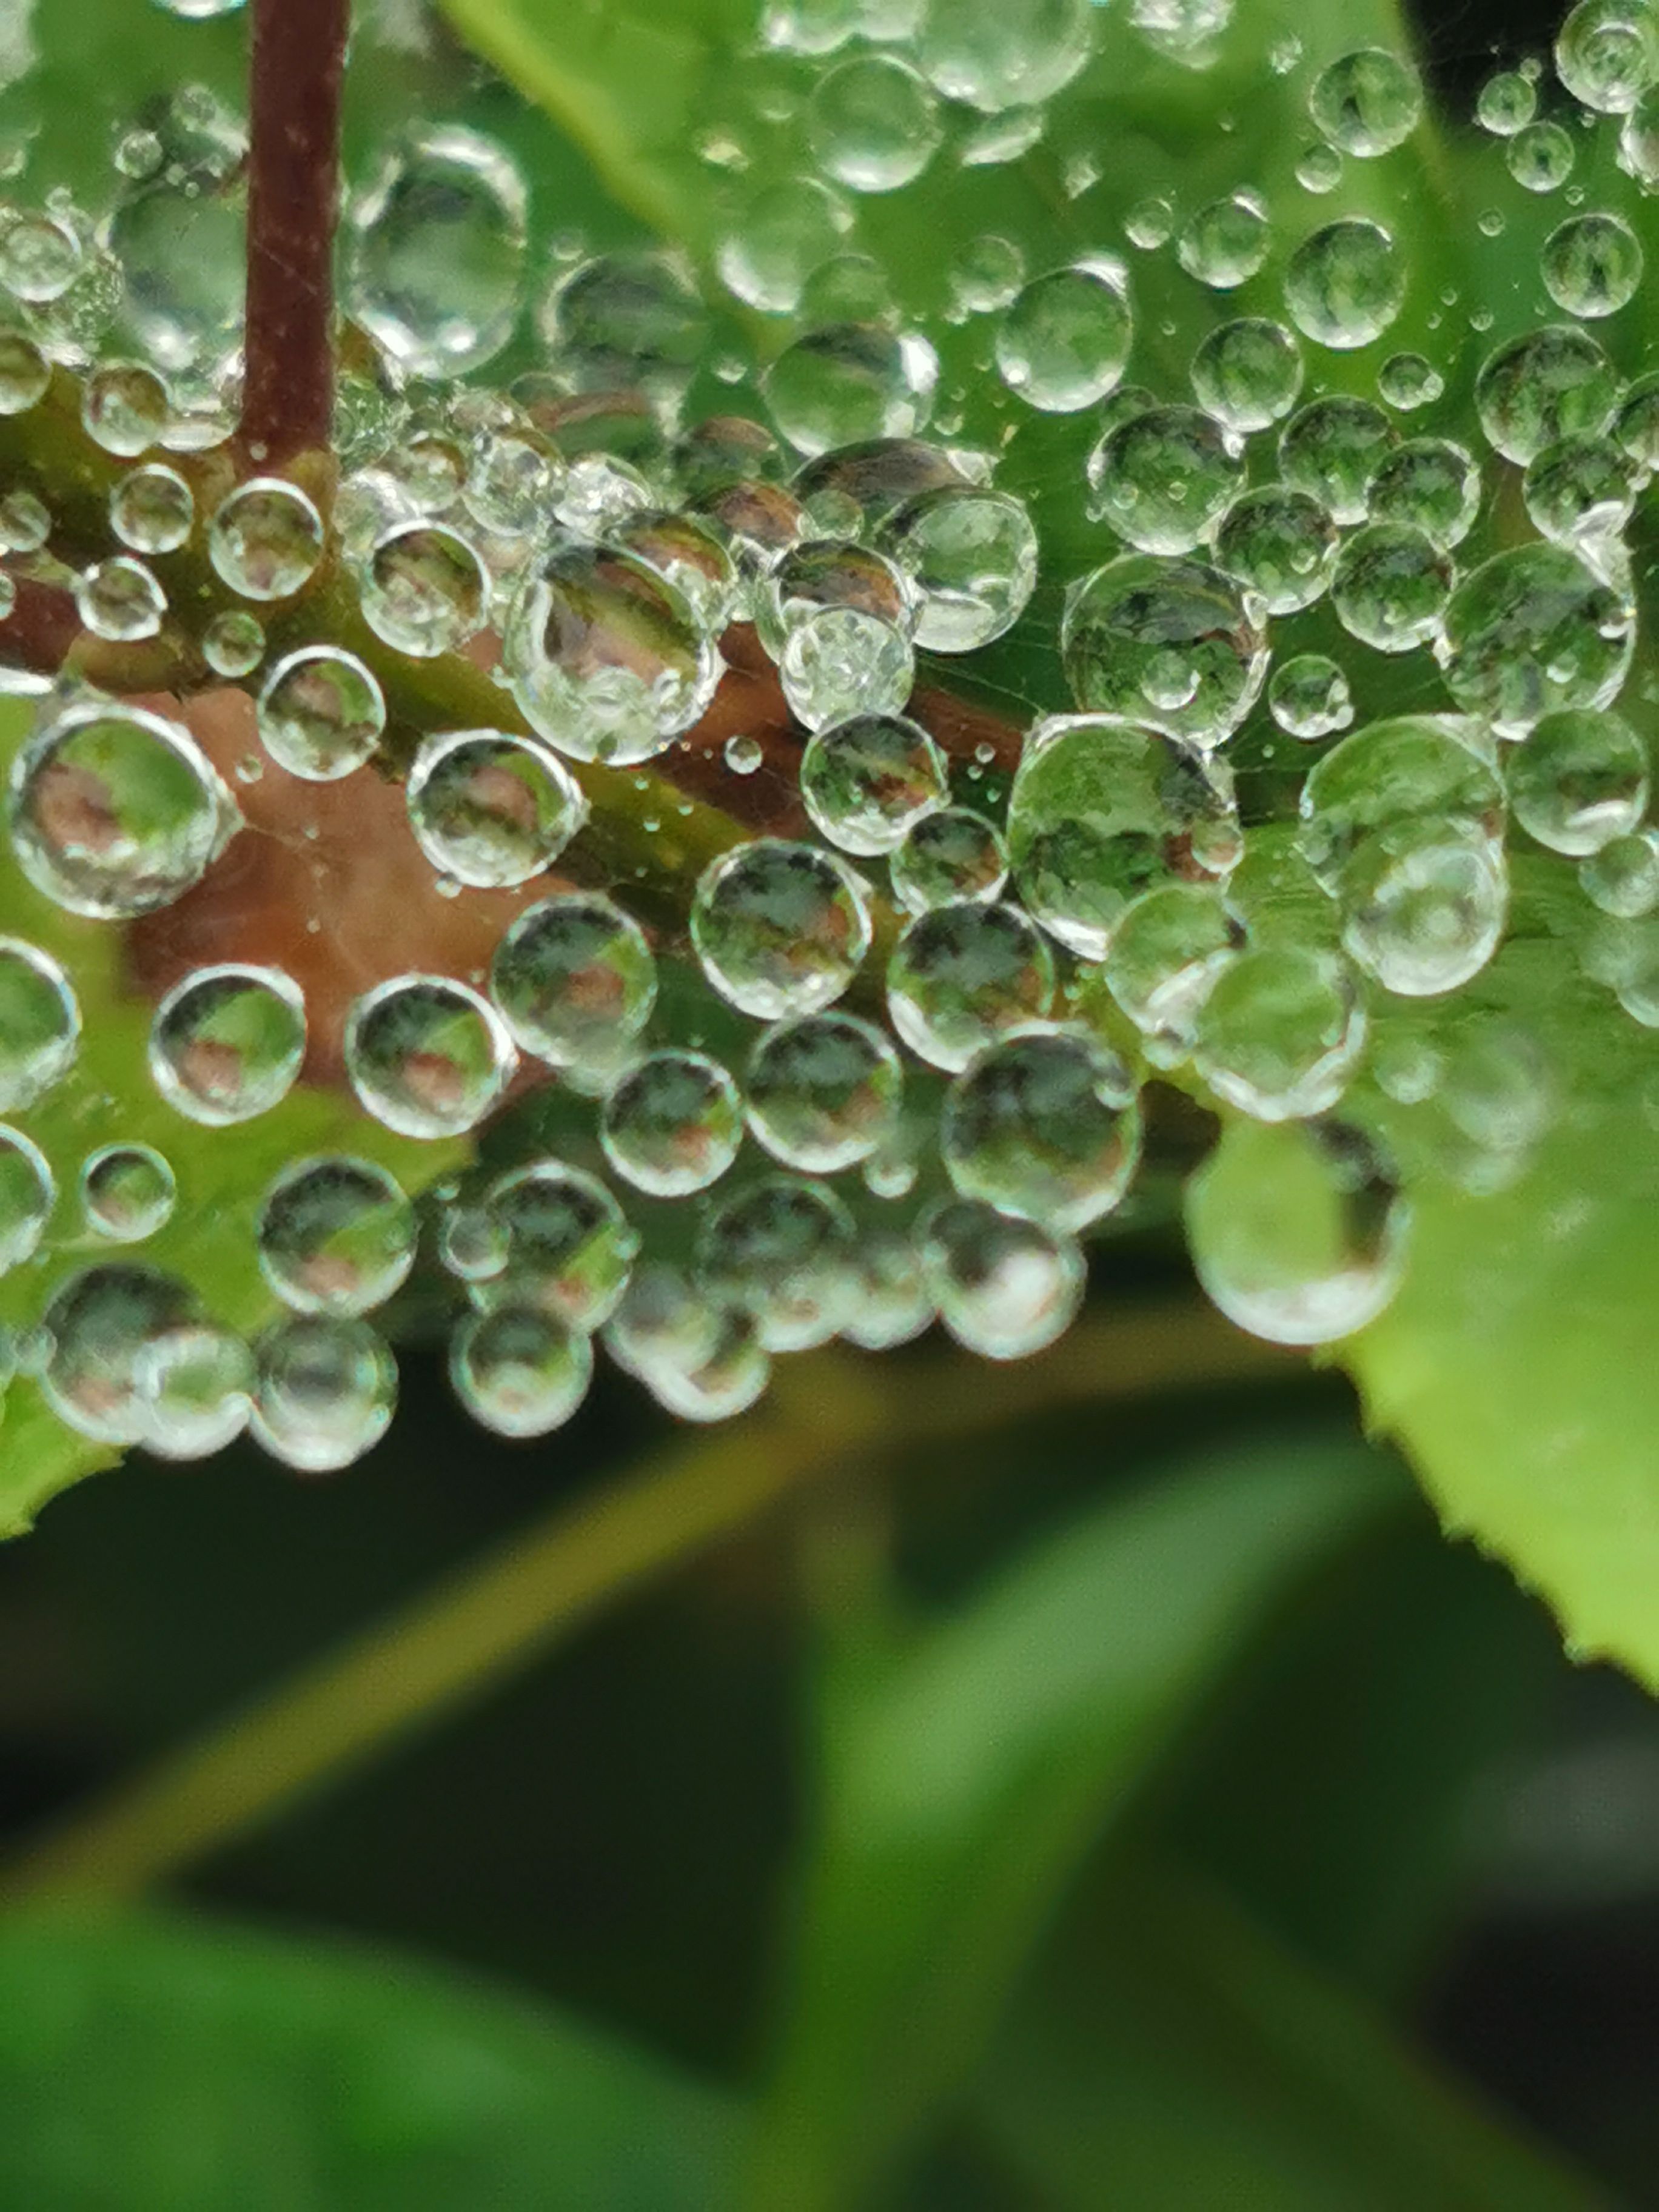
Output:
[[299, 69], [35, 637]]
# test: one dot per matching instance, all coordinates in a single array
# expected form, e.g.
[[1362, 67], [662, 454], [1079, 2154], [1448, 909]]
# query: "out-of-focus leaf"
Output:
[[1168, 2055], [961, 1788], [166, 2066], [1332, 1795]]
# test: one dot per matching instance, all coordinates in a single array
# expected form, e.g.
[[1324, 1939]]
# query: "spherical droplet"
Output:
[[265, 539], [782, 1253], [672, 1123], [873, 123], [1346, 284], [569, 1248], [1429, 485], [1592, 265], [1578, 780], [120, 600], [325, 1388], [1225, 243], [1607, 53], [321, 713], [1367, 103], [1390, 587], [127, 1193], [228, 1043], [963, 975], [1248, 373], [1162, 479], [1063, 343], [1297, 1231], [1005, 1287], [1280, 1032], [996, 58], [1533, 629], [824, 1091], [1166, 953], [520, 1372], [489, 809], [39, 1025], [1102, 810], [27, 1193], [114, 811], [953, 854], [779, 928], [605, 656], [1043, 1126], [1332, 449], [1552, 384], [574, 981], [1281, 544], [434, 253], [1173, 644], [152, 509], [1309, 696], [424, 589], [426, 1055], [867, 782]]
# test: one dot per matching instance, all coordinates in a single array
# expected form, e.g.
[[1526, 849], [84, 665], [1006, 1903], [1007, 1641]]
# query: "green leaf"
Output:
[[1167, 2054], [1517, 1364], [962, 1785], [164, 2065]]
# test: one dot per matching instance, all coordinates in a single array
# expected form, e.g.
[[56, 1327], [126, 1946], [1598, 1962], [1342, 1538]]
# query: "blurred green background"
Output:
[[1100, 1786]]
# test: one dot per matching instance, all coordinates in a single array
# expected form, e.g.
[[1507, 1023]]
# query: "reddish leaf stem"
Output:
[[298, 72]]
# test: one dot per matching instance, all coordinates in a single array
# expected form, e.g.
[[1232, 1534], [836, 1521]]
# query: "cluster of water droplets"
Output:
[[807, 994]]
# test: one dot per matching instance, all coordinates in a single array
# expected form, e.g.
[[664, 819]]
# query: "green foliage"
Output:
[[964, 1782], [173, 2066]]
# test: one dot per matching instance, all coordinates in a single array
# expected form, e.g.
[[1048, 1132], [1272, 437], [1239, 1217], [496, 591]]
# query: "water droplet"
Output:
[[1592, 265], [867, 782], [1332, 449], [434, 253], [39, 1025], [321, 713], [1541, 157], [1043, 1126], [1428, 484], [152, 509], [1280, 1032], [266, 539], [605, 656], [1507, 103], [520, 1372], [489, 809], [1162, 479], [326, 1388], [1174, 644], [335, 1235], [779, 928], [1281, 544], [1552, 384], [40, 257], [96, 1332], [1533, 629], [851, 381], [1623, 878], [1297, 1231], [234, 643], [424, 589], [1309, 696], [1346, 284], [824, 1091], [1004, 1287], [27, 1193], [742, 754], [996, 58], [1248, 373], [693, 558], [672, 1123], [874, 123], [1367, 103], [963, 975], [25, 373], [227, 1043], [1064, 340], [115, 812], [1390, 587], [574, 981], [120, 600], [569, 1247], [1168, 949], [1580, 489], [1408, 382], [987, 274], [25, 525], [1403, 822], [127, 1193], [427, 1056], [971, 557], [1607, 53], [949, 856], [1579, 780], [780, 1252], [784, 234]]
